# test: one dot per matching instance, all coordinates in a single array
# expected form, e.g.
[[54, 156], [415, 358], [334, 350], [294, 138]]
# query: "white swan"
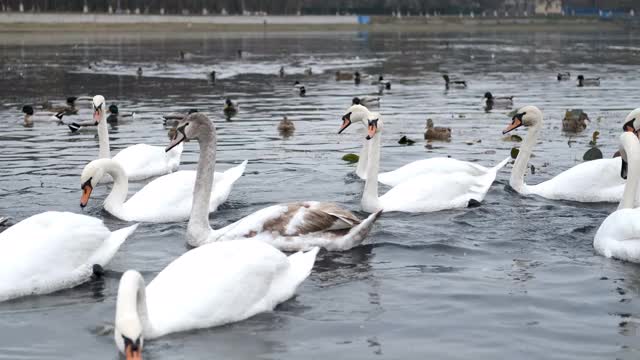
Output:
[[291, 226], [165, 199], [212, 285], [619, 234], [139, 161], [52, 251], [421, 193], [437, 165], [591, 181]]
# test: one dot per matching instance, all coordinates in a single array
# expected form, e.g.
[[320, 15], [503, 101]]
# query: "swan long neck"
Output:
[[198, 228], [117, 196], [370, 202], [103, 138], [629, 143], [363, 161], [520, 167], [131, 305]]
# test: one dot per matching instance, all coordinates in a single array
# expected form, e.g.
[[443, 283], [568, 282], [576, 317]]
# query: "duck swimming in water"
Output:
[[582, 81], [230, 109], [455, 83], [503, 102], [299, 88], [30, 116]]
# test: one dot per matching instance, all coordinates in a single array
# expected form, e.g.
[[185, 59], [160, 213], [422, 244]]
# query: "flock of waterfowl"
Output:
[[240, 270]]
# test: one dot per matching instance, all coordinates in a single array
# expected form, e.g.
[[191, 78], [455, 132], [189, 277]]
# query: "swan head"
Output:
[[191, 127], [527, 116], [357, 113], [374, 125], [89, 179], [99, 107], [128, 332], [632, 122]]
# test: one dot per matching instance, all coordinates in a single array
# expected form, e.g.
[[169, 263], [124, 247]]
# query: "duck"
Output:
[[456, 84], [356, 78], [165, 199], [591, 181], [185, 56], [299, 88], [212, 285], [230, 109], [503, 102], [342, 76], [55, 250], [574, 121], [68, 109], [618, 236], [383, 84], [436, 133], [582, 81], [173, 118], [564, 76], [296, 226], [30, 116], [420, 193], [140, 161], [212, 76], [139, 72], [286, 126], [366, 101], [436, 165], [115, 117], [281, 71]]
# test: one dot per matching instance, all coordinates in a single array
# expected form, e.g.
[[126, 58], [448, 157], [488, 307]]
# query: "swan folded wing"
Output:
[[438, 165], [48, 252], [427, 193], [215, 284], [141, 161], [591, 181], [619, 235]]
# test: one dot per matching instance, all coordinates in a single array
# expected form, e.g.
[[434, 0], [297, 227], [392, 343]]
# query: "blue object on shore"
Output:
[[364, 19]]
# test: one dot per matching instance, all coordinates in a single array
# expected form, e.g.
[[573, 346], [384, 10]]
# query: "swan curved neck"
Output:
[[103, 138], [520, 166], [629, 143], [114, 201], [370, 202], [198, 229], [363, 161], [131, 305]]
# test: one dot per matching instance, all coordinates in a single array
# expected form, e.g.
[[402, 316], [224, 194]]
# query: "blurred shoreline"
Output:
[[69, 27]]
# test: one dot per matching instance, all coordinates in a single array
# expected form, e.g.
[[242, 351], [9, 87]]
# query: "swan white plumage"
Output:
[[433, 166], [421, 193], [212, 285], [52, 251], [165, 199], [140, 161], [290, 226], [591, 181], [619, 234]]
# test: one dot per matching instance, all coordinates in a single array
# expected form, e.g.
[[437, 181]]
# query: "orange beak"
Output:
[[97, 115], [345, 124], [86, 193], [132, 354], [371, 132], [515, 124]]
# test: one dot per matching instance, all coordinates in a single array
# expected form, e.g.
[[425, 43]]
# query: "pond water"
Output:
[[514, 278]]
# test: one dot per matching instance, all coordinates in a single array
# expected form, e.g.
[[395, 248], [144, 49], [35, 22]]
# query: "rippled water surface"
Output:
[[514, 278]]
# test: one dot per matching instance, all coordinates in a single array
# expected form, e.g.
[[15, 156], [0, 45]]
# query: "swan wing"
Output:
[[591, 181], [52, 251], [222, 282], [142, 161], [438, 165], [427, 193], [619, 235]]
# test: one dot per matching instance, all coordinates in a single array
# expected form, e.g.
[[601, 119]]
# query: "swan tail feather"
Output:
[[300, 265], [234, 173], [356, 235], [104, 253], [500, 165]]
